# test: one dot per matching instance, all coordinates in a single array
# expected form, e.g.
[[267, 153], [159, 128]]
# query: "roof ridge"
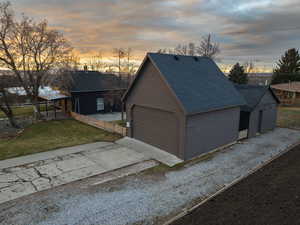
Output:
[[179, 55]]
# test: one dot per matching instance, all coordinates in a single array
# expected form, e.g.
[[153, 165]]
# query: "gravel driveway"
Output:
[[148, 197], [269, 196]]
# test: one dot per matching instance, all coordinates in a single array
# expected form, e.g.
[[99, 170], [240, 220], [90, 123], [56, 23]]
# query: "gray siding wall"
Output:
[[268, 106], [211, 130], [150, 91]]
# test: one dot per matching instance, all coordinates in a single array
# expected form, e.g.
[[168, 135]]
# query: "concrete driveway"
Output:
[[24, 177], [28, 174], [114, 116]]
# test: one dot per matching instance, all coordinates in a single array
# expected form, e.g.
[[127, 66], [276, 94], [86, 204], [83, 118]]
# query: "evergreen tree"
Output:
[[288, 67], [289, 62], [237, 74]]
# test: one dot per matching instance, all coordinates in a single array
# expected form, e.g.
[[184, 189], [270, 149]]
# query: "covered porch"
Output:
[[57, 105]]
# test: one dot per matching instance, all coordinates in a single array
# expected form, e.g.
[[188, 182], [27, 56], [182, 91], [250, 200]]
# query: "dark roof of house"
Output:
[[197, 82], [253, 94], [89, 81]]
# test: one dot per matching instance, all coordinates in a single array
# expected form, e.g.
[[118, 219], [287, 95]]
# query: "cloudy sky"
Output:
[[257, 30]]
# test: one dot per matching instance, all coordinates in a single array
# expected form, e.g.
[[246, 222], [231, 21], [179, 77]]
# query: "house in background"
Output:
[[95, 92], [288, 93], [182, 104], [262, 79], [260, 113]]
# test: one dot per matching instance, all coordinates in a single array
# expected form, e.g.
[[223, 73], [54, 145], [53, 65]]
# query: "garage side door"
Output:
[[269, 118], [156, 127]]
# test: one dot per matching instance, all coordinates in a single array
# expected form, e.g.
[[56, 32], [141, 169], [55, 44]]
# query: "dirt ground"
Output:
[[6, 131], [269, 196]]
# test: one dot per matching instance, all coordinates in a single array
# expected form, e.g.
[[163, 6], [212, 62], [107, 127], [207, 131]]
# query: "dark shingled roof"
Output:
[[252, 94], [88, 81], [197, 82]]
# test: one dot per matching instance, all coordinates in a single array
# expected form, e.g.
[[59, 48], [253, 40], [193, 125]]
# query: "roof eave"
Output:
[[274, 95], [212, 110], [123, 99], [98, 90]]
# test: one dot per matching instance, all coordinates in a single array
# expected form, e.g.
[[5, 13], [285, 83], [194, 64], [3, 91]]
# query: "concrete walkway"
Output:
[[149, 151]]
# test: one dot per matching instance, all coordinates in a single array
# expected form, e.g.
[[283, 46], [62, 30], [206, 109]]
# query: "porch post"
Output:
[[47, 108], [122, 111], [54, 109]]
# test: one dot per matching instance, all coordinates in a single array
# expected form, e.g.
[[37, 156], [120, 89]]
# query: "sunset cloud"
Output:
[[246, 30]]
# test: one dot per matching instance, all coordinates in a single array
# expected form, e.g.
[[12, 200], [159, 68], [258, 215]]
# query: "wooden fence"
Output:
[[108, 126]]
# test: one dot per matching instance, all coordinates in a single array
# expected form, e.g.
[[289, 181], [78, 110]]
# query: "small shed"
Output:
[[260, 113], [182, 104]]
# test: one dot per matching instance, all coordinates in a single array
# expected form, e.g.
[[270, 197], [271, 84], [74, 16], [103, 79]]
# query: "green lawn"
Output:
[[25, 111], [289, 117], [49, 135]]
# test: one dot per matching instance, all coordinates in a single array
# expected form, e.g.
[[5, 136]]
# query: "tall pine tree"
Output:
[[288, 67], [237, 74], [289, 62]]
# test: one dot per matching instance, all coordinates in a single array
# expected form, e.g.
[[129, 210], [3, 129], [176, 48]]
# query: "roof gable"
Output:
[[138, 75], [197, 82], [152, 90], [253, 95]]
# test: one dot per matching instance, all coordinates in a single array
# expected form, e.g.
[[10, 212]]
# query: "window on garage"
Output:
[[100, 104]]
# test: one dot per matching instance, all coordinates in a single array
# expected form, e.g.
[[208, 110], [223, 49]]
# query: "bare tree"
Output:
[[31, 50], [185, 49], [6, 100], [96, 62], [192, 49], [61, 77], [72, 62], [131, 66], [225, 68], [128, 53], [119, 53], [181, 49], [166, 51], [249, 67], [208, 48]]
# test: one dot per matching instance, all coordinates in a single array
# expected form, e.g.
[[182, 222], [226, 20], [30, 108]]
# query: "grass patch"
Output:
[[25, 111], [289, 117], [161, 168], [121, 123], [49, 135]]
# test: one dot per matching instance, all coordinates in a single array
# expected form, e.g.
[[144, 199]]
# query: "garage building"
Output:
[[260, 113], [182, 104]]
